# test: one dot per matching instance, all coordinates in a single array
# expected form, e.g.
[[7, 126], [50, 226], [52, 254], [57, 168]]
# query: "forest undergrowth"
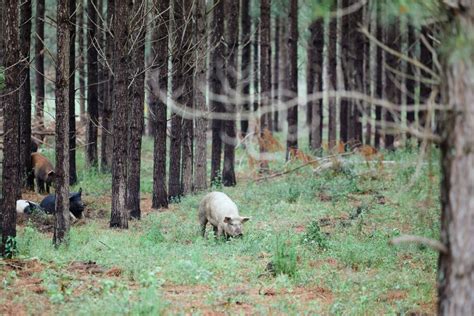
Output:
[[316, 243]]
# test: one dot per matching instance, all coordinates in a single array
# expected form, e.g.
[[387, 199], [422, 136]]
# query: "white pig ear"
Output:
[[227, 220], [244, 219]]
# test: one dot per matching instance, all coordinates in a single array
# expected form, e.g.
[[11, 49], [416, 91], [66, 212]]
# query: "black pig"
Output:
[[76, 207]]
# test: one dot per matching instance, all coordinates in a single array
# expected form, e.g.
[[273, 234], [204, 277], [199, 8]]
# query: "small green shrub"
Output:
[[285, 257], [314, 236], [153, 235]]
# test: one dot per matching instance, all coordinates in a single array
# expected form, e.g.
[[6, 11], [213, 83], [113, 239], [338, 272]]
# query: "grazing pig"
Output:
[[43, 171], [76, 207], [219, 210], [27, 207]]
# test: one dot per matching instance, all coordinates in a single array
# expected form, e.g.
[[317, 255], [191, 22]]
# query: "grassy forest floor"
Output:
[[328, 232]]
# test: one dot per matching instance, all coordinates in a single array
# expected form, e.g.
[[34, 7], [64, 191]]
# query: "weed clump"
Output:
[[284, 257], [314, 236]]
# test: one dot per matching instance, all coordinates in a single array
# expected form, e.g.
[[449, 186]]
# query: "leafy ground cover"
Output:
[[317, 243]]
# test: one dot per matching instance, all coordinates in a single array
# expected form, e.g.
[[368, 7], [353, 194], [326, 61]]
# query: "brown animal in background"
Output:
[[43, 170]]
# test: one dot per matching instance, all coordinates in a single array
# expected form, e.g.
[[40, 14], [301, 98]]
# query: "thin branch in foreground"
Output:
[[411, 239]]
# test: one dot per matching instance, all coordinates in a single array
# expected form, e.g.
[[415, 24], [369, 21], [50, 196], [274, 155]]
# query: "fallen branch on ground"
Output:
[[411, 239]]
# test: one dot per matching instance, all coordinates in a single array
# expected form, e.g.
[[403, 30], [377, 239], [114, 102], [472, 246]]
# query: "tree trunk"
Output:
[[216, 64], [358, 44], [411, 84], [72, 93], [426, 57], [11, 152], [200, 162], [256, 66], [392, 92], [158, 83], [174, 183], [314, 83], [265, 78], [372, 63], [25, 97], [39, 62], [81, 61], [332, 82], [246, 24], [275, 76], [292, 116], [455, 267], [92, 85], [344, 103], [137, 109], [107, 141], [188, 97], [232, 39], [311, 65], [119, 214], [61, 182], [2, 46]]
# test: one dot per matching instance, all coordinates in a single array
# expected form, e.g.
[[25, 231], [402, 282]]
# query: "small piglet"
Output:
[[76, 207], [219, 210]]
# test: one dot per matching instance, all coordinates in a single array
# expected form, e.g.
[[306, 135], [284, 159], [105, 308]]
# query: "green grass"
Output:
[[331, 254]]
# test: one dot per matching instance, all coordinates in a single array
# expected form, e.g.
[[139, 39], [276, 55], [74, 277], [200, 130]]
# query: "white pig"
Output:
[[222, 213]]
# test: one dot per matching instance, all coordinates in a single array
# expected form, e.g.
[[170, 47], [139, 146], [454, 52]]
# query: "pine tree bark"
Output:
[[136, 115], [39, 62], [256, 65], [456, 265], [200, 162], [392, 92], [72, 93], [372, 63], [314, 81], [232, 39], [119, 214], [188, 97], [11, 116], [411, 84], [358, 44], [158, 84], [107, 141], [332, 82], [215, 87], [92, 85], [344, 104], [292, 113], [426, 57], [81, 60], [2, 46], [245, 66], [265, 78], [25, 96], [175, 188], [61, 183], [275, 76]]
